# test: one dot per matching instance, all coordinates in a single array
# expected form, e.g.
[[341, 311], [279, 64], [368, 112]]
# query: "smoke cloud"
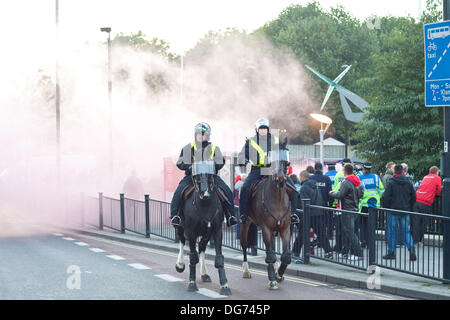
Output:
[[229, 86]]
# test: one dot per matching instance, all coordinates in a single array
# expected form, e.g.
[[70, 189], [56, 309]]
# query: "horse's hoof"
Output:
[[247, 275], [273, 285], [192, 287], [180, 269], [206, 278], [225, 291], [278, 278]]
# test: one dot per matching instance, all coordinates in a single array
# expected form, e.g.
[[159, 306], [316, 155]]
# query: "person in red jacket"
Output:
[[426, 193]]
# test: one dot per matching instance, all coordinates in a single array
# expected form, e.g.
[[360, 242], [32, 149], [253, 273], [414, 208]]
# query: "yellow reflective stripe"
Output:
[[213, 149], [262, 154]]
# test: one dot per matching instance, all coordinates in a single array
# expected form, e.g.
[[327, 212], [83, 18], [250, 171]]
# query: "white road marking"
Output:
[[58, 234], [96, 250], [139, 266], [227, 266], [68, 239], [168, 277], [81, 244], [114, 257], [210, 293]]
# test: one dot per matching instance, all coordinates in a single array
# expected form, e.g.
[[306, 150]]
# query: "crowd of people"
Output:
[[355, 189]]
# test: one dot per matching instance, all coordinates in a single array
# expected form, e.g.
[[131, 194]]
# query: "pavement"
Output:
[[383, 281]]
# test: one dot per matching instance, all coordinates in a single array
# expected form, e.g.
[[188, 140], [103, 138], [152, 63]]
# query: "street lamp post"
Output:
[[324, 120], [346, 121], [108, 30], [57, 99]]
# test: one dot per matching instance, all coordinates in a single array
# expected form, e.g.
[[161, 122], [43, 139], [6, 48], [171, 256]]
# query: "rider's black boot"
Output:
[[175, 221], [295, 219]]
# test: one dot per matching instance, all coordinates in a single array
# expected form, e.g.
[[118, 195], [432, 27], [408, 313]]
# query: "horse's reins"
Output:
[[267, 210], [208, 222]]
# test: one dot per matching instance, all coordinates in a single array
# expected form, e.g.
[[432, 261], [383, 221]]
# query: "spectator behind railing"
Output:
[[133, 187], [389, 172], [399, 195], [350, 191], [430, 187]]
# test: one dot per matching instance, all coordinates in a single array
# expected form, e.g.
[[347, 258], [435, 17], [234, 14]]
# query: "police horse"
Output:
[[203, 217], [270, 209]]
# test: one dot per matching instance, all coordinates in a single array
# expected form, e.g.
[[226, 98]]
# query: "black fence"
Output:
[[404, 241], [321, 234]]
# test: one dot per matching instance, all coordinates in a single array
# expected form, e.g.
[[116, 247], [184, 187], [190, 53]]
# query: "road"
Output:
[[74, 266]]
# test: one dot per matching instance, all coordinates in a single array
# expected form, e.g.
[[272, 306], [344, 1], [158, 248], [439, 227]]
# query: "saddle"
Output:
[[187, 191], [255, 186], [258, 183]]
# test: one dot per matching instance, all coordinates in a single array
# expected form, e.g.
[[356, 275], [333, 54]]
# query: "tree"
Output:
[[156, 81], [325, 41], [398, 127]]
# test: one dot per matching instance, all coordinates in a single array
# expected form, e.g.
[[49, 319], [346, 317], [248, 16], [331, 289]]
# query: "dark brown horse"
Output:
[[270, 209]]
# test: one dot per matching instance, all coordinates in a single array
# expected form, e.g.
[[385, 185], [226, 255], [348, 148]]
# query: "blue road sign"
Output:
[[437, 64]]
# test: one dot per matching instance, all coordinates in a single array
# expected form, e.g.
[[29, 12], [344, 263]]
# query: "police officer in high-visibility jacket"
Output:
[[256, 151], [199, 150], [373, 190]]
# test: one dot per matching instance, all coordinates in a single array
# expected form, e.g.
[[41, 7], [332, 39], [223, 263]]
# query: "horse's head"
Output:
[[203, 176], [279, 160]]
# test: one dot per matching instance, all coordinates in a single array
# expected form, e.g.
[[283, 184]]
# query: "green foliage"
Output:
[[137, 41], [156, 81], [325, 41], [398, 126], [387, 71]]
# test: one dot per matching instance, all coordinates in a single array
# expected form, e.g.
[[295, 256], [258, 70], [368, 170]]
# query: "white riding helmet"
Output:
[[262, 122]]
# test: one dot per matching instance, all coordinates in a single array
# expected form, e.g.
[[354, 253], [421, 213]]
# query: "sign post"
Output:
[[437, 64], [437, 93]]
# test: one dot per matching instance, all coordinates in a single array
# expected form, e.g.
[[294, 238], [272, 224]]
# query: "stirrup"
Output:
[[231, 221], [295, 219], [175, 221]]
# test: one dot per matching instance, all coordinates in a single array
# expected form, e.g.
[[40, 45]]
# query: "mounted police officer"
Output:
[[200, 150], [256, 151]]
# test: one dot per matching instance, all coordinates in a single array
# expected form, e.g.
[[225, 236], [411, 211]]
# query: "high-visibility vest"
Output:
[[372, 188], [262, 154], [213, 149], [338, 178]]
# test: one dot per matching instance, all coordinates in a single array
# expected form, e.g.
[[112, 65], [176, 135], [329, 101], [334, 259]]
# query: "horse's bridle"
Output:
[[280, 185], [212, 189]]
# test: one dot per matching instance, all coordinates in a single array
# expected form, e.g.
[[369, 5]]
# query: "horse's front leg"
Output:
[[219, 263], [201, 249], [179, 266], [193, 260], [286, 255], [271, 257]]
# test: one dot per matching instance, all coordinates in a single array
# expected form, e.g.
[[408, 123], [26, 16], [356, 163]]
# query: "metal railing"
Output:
[[318, 236], [390, 243]]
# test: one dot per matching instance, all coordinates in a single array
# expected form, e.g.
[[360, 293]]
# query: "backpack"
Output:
[[317, 200]]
